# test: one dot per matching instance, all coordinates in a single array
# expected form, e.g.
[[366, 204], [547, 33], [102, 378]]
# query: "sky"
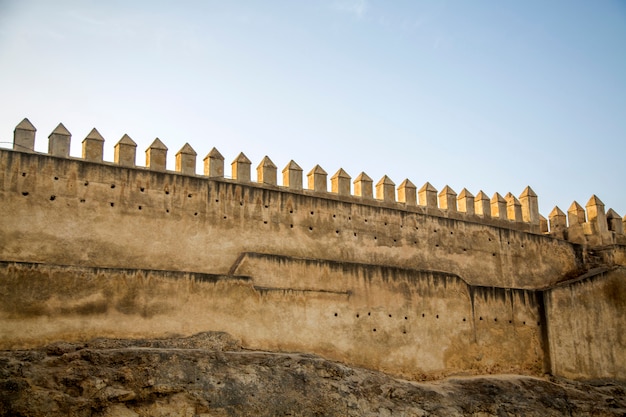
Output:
[[483, 95]]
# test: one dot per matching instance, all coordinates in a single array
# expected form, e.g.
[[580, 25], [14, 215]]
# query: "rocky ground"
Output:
[[210, 375]]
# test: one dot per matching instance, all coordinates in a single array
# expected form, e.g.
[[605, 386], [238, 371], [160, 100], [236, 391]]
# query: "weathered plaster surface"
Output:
[[93, 249], [586, 320], [412, 323], [70, 211]]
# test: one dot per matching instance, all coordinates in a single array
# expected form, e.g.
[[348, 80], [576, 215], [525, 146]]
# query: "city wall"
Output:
[[64, 211], [417, 324], [413, 282], [593, 308]]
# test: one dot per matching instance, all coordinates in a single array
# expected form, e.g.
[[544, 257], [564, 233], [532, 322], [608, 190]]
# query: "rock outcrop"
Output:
[[211, 375]]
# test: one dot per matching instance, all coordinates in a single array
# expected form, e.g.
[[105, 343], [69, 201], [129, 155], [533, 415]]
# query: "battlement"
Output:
[[511, 212], [359, 271], [595, 226]]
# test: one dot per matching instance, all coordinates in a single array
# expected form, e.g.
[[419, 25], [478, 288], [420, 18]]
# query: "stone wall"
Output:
[[418, 324], [586, 321], [413, 282], [68, 211]]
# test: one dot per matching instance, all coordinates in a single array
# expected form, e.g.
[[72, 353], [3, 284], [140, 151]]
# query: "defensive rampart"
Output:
[[410, 281]]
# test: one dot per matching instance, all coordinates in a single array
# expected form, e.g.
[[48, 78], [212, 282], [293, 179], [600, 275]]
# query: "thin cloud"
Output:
[[358, 8]]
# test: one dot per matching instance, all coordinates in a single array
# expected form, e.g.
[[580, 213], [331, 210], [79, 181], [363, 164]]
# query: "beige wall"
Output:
[[94, 250], [586, 322], [412, 323], [66, 211]]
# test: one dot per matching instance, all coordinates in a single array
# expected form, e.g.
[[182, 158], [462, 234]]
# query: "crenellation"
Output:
[[292, 176], [340, 182], [24, 136], [513, 208], [407, 193], [508, 212], [590, 228], [386, 189], [530, 206], [596, 214], [447, 199], [498, 207], [465, 202], [240, 168], [558, 220], [317, 179], [428, 195], [156, 156], [186, 160], [93, 146], [214, 164], [598, 227], [577, 227], [575, 214], [363, 186], [266, 172], [125, 152], [614, 222], [482, 205], [59, 142]]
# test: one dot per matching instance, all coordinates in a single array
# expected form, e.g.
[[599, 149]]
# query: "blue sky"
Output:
[[483, 95]]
